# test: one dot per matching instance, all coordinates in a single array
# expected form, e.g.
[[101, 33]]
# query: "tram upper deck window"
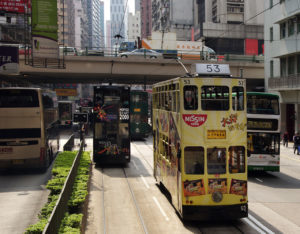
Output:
[[215, 98], [194, 160], [238, 98], [236, 159], [190, 97], [216, 160]]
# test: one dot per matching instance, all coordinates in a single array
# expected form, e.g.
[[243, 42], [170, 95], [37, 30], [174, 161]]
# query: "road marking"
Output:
[[135, 165], [250, 223], [259, 180], [259, 224], [161, 209], [145, 182]]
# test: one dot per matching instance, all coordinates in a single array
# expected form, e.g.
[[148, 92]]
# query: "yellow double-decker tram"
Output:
[[199, 143]]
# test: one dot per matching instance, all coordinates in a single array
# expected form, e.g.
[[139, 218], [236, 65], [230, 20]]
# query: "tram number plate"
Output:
[[216, 134]]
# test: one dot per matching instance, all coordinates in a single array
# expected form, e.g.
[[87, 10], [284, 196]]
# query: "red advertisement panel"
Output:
[[17, 6], [251, 46]]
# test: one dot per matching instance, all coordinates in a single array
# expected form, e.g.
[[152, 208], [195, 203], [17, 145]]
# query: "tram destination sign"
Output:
[[262, 124], [216, 134]]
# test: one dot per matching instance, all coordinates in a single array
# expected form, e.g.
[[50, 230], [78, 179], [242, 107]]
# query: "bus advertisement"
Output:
[[263, 131], [200, 142], [111, 122]]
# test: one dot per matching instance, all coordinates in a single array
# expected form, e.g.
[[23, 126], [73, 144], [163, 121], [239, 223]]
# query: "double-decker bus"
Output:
[[263, 131], [139, 126], [111, 122], [29, 135], [199, 143]]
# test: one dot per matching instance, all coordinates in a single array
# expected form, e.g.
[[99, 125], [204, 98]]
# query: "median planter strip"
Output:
[[60, 171], [75, 220]]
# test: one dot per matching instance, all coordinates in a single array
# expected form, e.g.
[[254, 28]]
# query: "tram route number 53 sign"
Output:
[[213, 69], [9, 59]]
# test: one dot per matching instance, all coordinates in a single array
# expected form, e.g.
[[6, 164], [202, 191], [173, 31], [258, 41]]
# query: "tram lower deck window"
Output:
[[194, 160], [216, 160]]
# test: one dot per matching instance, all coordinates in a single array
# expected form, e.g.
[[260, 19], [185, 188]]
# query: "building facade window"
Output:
[[291, 28], [283, 67], [271, 68], [271, 34], [282, 30], [291, 65], [298, 64], [271, 3]]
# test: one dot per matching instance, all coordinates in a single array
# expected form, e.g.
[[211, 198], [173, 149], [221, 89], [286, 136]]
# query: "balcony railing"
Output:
[[284, 82]]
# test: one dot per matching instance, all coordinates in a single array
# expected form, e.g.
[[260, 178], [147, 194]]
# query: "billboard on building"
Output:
[[44, 29], [251, 46], [16, 6], [9, 59]]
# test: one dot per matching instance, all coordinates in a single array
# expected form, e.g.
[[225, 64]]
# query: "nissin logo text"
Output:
[[194, 120]]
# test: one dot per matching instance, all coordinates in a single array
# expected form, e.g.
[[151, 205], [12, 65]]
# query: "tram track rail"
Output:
[[132, 195]]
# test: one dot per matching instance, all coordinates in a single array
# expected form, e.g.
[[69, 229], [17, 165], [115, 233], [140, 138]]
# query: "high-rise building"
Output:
[[108, 35], [173, 16], [134, 27], [146, 18], [66, 22], [102, 35], [282, 59], [118, 21], [81, 29], [93, 15], [230, 26], [137, 5]]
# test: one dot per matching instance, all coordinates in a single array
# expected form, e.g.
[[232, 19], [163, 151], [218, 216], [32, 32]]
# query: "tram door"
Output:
[[111, 124]]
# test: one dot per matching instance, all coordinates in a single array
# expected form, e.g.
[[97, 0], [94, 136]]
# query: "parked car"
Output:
[[66, 50], [141, 52]]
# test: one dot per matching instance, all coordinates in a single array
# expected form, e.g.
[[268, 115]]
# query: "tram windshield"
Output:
[[263, 143], [216, 160], [263, 104]]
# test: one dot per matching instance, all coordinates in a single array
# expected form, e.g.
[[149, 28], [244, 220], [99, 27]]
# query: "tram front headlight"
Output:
[[217, 196]]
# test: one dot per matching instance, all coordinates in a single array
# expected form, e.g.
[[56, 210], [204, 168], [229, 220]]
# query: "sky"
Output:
[[107, 8]]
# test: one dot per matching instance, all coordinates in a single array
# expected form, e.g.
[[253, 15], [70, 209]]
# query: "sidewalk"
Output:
[[288, 151]]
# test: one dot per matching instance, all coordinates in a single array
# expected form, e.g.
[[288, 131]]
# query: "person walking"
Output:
[[296, 140], [285, 139]]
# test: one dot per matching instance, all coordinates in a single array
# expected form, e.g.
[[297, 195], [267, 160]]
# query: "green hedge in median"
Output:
[[60, 171], [73, 219]]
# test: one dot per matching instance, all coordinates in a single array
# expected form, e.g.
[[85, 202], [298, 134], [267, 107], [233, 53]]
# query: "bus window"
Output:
[[215, 98], [190, 97], [238, 98], [216, 160], [12, 98], [194, 160], [236, 159]]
